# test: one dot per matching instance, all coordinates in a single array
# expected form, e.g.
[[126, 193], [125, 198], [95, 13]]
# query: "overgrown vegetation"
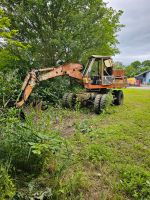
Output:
[[63, 154], [7, 188]]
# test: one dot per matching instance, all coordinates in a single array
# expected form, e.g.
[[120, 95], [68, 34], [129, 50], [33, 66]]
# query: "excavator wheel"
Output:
[[71, 100], [65, 100], [97, 101], [104, 101], [118, 97], [100, 103]]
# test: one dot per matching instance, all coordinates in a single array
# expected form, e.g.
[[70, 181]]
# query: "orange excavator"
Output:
[[99, 78]]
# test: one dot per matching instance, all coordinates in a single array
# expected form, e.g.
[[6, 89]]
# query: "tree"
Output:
[[119, 65], [133, 69], [9, 45], [130, 71], [136, 64], [64, 30], [6, 34], [12, 53], [137, 67], [146, 63]]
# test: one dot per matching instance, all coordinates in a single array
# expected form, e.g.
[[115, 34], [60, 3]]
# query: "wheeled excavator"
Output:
[[98, 78]]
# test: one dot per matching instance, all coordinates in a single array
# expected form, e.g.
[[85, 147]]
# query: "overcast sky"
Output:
[[135, 37]]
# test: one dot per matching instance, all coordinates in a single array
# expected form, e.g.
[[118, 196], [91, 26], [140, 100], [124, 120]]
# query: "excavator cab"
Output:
[[99, 71]]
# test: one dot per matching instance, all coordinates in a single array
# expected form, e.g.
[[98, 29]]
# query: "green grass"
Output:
[[103, 156]]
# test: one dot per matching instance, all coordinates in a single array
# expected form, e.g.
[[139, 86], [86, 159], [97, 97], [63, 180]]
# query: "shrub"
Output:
[[7, 188], [52, 90], [26, 144], [9, 88], [83, 127]]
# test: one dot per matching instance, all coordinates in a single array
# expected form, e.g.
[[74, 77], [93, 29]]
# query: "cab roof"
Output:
[[100, 57]]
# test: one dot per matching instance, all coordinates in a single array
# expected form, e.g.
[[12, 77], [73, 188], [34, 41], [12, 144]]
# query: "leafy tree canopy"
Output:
[[134, 68], [131, 71], [146, 63], [136, 64], [64, 30], [9, 45], [119, 65], [7, 35]]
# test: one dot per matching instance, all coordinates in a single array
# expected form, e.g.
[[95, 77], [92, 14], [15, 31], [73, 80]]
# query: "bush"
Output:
[[26, 144], [52, 90], [9, 88], [7, 188]]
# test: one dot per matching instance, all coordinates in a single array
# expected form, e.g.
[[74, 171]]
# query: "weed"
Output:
[[7, 188], [97, 153], [135, 181], [83, 127], [73, 187]]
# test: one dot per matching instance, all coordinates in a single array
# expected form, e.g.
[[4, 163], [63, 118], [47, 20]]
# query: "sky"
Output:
[[134, 38]]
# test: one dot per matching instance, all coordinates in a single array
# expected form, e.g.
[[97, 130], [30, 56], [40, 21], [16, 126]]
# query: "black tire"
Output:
[[71, 100], [100, 103], [65, 100], [118, 97], [97, 100], [103, 102]]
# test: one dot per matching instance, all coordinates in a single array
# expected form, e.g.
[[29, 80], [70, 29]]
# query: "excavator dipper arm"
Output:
[[35, 76]]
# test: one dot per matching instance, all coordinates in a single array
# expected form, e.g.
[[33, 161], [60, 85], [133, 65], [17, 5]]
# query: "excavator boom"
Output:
[[72, 70]]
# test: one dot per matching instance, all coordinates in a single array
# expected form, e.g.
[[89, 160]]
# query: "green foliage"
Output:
[[84, 127], [146, 63], [136, 64], [64, 31], [6, 34], [53, 90], [97, 153], [7, 188], [130, 71], [71, 189], [12, 51], [135, 181], [109, 161], [137, 67], [9, 88], [133, 69], [119, 65], [25, 145], [32, 146]]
